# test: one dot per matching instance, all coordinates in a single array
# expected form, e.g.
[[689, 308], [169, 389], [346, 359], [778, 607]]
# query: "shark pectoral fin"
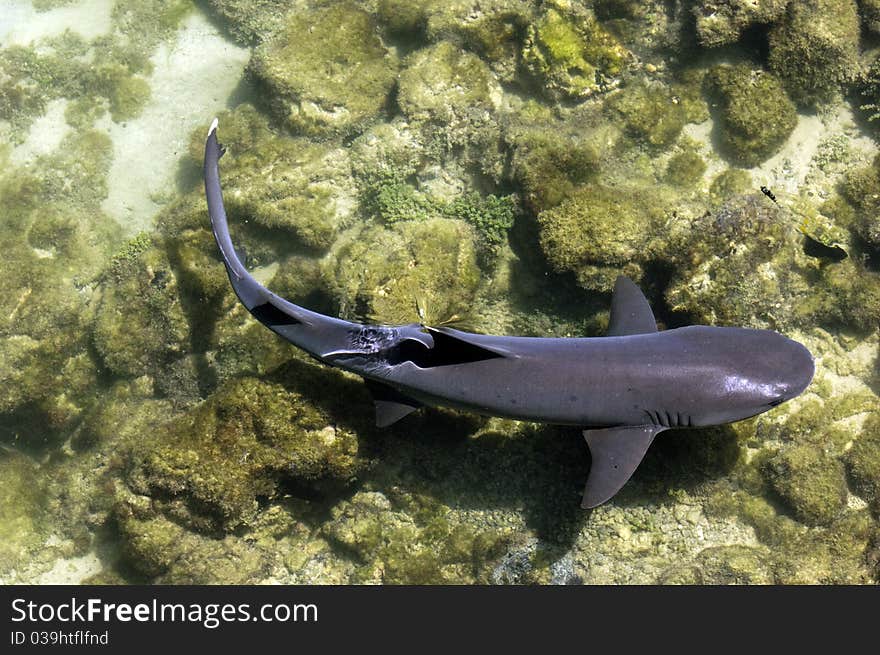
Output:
[[630, 311], [616, 453], [391, 405]]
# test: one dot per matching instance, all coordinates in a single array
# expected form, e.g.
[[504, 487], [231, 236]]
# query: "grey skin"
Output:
[[623, 388]]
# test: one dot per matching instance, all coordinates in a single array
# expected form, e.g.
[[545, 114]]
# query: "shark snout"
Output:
[[797, 369]]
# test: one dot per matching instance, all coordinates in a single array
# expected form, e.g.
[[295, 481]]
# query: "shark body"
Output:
[[622, 389]]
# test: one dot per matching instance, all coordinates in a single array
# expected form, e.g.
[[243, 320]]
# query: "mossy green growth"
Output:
[[550, 162], [570, 53], [755, 115], [741, 266], [869, 12], [22, 511], [251, 21], [491, 216], [731, 182], [815, 49], [685, 169], [406, 19], [412, 541], [164, 552], [720, 23], [863, 463], [209, 467], [495, 33], [281, 183], [598, 233], [382, 274], [650, 114], [810, 481], [861, 188], [450, 97], [140, 326], [319, 90], [54, 237], [724, 565]]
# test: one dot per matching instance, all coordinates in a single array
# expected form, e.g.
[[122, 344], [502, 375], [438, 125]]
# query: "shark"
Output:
[[621, 389]]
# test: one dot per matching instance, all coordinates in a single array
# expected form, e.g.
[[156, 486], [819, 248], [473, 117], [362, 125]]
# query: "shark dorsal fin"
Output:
[[630, 311], [616, 453], [391, 405]]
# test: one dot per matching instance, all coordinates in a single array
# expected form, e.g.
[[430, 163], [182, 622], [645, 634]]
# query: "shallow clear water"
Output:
[[494, 167]]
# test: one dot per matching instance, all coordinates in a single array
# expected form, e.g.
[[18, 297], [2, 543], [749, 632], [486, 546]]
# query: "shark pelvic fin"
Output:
[[630, 311], [391, 405], [616, 453]]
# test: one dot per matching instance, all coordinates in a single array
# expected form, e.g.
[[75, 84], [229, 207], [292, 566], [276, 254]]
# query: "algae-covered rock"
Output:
[[650, 114], [861, 187], [494, 30], [209, 467], [140, 325], [570, 53], [22, 510], [550, 158], [451, 96], [815, 49], [739, 266], [326, 70], [54, 237], [720, 22], [731, 182], [755, 116], [287, 184], [863, 463], [384, 274], [251, 21], [167, 553], [869, 12], [724, 565], [414, 541], [685, 169], [598, 233], [810, 481]]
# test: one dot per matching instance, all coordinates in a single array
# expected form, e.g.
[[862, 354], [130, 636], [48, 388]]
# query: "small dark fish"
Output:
[[767, 192]]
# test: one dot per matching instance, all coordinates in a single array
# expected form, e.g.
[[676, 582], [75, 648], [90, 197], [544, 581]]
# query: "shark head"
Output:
[[752, 371]]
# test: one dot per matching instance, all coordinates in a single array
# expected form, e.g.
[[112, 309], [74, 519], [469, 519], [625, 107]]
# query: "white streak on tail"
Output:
[[213, 127]]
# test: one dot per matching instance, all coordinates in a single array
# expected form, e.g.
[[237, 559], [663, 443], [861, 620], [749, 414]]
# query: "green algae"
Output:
[[450, 96], [685, 169], [319, 91], [755, 115], [281, 183], [550, 159], [650, 114], [598, 232], [721, 23], [863, 463], [251, 21], [273, 435], [22, 511], [731, 182], [815, 49], [411, 541], [811, 482], [139, 324], [495, 33], [570, 53], [382, 274]]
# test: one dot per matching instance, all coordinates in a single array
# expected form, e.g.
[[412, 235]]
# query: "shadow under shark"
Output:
[[623, 388]]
